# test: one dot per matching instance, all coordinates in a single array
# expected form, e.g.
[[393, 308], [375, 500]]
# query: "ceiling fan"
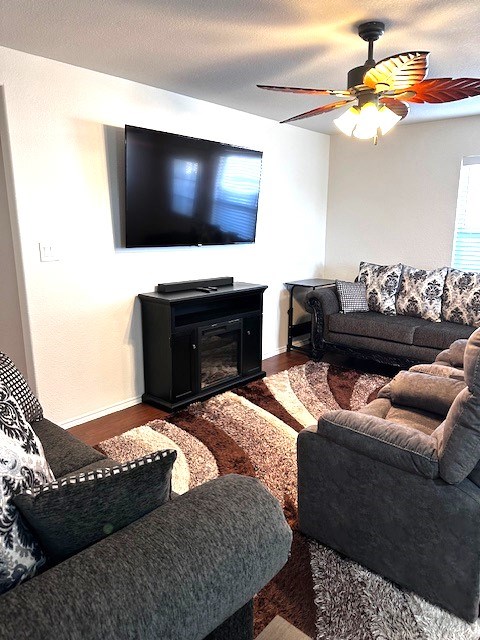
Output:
[[379, 92]]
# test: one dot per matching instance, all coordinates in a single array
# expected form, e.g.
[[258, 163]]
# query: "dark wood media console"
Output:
[[197, 344]]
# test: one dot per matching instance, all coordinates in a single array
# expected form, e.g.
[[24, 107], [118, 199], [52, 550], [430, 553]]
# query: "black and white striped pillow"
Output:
[[74, 512], [11, 376], [352, 296]]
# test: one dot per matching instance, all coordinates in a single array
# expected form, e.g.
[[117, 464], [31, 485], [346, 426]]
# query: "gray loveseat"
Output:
[[398, 340], [396, 485], [187, 570]]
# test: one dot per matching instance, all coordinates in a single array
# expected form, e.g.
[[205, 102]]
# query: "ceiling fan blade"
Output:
[[319, 110], [438, 90], [398, 72], [399, 108], [318, 92]]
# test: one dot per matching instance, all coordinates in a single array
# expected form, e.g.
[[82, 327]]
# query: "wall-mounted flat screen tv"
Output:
[[182, 191]]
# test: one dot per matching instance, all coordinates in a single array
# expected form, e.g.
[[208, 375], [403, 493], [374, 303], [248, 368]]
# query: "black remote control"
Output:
[[204, 289]]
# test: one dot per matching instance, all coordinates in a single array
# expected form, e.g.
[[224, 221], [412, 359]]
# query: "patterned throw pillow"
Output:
[[382, 284], [22, 466], [11, 376], [77, 511], [420, 293], [352, 296], [461, 297]]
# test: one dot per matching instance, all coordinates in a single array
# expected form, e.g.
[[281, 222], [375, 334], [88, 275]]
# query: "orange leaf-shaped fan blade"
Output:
[[399, 108], [318, 92], [319, 110], [398, 72], [437, 90]]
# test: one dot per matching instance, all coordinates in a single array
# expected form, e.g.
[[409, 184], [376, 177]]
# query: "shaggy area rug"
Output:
[[252, 430]]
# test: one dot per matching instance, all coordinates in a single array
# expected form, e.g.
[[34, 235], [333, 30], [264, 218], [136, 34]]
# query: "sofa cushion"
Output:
[[415, 418], [382, 282], [352, 296], [418, 419], [375, 325], [440, 335], [420, 293], [11, 376], [77, 511], [22, 466], [461, 297]]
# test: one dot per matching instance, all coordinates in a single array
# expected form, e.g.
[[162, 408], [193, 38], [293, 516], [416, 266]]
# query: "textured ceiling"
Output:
[[219, 50]]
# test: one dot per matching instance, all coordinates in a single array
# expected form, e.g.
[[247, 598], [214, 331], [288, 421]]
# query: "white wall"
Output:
[[396, 202], [65, 130], [11, 333]]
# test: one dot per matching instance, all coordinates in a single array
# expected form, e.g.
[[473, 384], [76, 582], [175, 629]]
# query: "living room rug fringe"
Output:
[[252, 430]]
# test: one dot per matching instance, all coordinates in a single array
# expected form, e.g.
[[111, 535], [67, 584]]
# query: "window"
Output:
[[235, 195], [466, 244], [184, 189]]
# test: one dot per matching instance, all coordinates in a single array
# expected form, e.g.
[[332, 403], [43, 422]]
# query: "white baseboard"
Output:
[[283, 349], [86, 417], [275, 352]]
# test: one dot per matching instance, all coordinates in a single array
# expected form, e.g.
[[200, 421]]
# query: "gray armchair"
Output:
[[396, 485]]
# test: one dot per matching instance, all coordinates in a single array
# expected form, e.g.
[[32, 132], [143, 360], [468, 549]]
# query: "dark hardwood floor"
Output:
[[95, 431]]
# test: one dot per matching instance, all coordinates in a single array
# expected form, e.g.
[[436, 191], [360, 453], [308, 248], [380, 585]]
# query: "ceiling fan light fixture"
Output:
[[365, 122], [348, 120], [387, 119]]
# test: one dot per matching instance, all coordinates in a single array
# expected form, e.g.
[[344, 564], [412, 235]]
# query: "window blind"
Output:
[[236, 193], [466, 244]]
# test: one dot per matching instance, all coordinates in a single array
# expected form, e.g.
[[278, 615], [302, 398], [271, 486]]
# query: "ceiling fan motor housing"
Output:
[[355, 76]]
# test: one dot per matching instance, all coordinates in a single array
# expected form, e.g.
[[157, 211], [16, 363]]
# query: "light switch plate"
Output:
[[48, 252]]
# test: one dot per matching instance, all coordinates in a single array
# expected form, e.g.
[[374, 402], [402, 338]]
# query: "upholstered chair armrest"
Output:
[[324, 298], [179, 572], [381, 440]]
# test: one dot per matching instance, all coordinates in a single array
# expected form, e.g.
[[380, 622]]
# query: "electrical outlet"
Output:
[[48, 252]]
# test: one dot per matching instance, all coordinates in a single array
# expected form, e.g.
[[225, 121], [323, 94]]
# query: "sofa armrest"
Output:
[[321, 302], [179, 572], [388, 442], [327, 300]]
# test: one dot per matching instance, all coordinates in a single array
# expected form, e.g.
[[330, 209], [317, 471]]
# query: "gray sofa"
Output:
[[187, 570], [396, 485], [397, 340]]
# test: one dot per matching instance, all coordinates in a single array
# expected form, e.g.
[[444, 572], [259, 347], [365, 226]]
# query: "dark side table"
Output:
[[295, 330]]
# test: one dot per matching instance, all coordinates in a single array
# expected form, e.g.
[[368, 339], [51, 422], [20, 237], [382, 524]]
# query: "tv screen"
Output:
[[182, 191]]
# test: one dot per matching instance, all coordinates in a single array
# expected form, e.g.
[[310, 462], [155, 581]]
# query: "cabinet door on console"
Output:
[[252, 344], [184, 364]]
